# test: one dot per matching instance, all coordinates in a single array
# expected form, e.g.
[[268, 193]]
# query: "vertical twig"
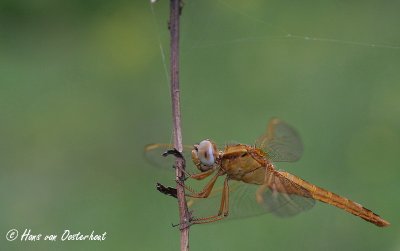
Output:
[[175, 9]]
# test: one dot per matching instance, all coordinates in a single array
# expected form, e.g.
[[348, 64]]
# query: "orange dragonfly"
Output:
[[252, 184]]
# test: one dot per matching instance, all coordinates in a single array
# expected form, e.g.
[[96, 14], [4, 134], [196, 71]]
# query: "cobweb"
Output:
[[276, 31], [202, 18], [352, 29], [366, 31]]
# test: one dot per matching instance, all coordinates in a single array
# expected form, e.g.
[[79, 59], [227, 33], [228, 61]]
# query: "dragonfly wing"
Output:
[[286, 205], [281, 142], [283, 199], [242, 202], [153, 154]]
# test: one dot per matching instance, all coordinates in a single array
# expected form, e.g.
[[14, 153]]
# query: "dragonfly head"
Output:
[[204, 155]]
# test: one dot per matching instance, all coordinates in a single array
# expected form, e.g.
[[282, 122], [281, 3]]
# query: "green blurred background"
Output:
[[83, 89]]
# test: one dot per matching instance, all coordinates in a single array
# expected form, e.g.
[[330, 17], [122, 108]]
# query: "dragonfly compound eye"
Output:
[[206, 153]]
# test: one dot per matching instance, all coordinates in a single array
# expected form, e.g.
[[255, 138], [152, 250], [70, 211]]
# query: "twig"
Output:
[[175, 9]]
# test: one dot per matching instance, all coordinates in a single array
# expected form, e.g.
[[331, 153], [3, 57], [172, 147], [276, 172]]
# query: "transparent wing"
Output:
[[283, 196], [279, 196], [242, 202], [153, 154], [281, 142]]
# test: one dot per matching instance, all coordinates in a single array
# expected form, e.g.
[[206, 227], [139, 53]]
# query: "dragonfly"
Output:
[[252, 185]]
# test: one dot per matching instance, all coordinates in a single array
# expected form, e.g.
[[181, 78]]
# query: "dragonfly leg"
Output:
[[224, 208], [261, 190], [201, 176], [207, 219], [259, 194], [205, 192]]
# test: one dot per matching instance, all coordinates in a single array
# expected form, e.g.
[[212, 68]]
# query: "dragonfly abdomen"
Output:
[[348, 205], [333, 199]]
